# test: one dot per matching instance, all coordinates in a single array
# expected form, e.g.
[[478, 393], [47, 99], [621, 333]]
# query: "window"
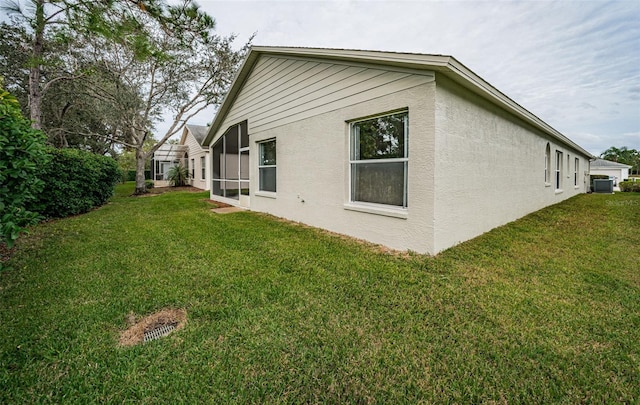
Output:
[[203, 166], [558, 170], [576, 167], [228, 160], [547, 164], [379, 160], [267, 166], [193, 168]]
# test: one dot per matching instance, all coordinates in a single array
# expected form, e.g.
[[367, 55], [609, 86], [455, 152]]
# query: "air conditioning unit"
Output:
[[602, 186]]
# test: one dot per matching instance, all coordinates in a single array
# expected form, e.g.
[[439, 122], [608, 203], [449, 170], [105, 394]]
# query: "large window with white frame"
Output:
[[230, 163], [267, 166], [558, 170], [203, 166], [379, 158]]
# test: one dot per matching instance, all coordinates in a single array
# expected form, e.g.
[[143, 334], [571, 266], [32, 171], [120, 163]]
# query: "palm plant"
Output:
[[178, 175]]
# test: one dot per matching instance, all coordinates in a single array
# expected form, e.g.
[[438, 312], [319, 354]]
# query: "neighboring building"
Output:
[[616, 171], [415, 152], [166, 157], [198, 155]]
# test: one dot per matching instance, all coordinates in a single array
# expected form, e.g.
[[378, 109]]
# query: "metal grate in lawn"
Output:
[[158, 332]]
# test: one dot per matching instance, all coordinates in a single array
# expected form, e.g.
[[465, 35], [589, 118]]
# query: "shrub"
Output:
[[178, 175], [22, 151], [630, 186], [75, 182], [148, 184]]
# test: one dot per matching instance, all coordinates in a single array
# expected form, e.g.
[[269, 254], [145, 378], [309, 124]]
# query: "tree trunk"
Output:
[[35, 72], [141, 158]]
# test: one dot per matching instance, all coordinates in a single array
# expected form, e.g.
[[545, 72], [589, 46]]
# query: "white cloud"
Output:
[[575, 65]]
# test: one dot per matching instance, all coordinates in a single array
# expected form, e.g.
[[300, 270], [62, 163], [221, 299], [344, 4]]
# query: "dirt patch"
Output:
[[134, 334], [218, 204], [151, 192]]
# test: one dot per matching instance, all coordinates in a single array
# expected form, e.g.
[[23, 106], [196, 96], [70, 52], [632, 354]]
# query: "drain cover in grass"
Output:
[[153, 326]]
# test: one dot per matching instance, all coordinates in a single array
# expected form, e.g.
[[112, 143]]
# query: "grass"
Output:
[[542, 310]]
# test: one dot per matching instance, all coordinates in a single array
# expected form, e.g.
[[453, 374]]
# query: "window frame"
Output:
[[203, 167], [576, 168], [558, 170], [261, 166], [547, 165], [354, 162]]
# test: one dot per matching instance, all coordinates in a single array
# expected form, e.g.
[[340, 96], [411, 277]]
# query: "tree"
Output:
[[625, 156], [174, 63], [72, 116], [22, 151]]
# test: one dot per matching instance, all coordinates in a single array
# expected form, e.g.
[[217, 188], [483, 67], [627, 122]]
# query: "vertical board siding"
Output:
[[282, 90]]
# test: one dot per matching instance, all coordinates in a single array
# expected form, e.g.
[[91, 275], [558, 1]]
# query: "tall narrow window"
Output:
[[547, 164], [193, 168], [267, 166], [203, 163], [379, 160], [576, 167], [558, 170]]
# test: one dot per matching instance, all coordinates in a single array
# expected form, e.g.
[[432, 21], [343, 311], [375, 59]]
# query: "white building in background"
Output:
[[415, 152], [616, 171]]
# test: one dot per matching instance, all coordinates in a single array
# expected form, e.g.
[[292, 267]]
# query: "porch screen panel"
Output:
[[230, 164]]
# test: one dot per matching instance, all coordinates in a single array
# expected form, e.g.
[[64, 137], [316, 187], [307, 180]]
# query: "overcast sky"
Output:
[[574, 64]]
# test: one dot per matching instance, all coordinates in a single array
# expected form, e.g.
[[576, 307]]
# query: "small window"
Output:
[[203, 166], [379, 160], [193, 168], [267, 166], [576, 167], [547, 164], [558, 170]]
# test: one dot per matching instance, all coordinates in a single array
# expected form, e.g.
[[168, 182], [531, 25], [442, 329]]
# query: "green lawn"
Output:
[[543, 310]]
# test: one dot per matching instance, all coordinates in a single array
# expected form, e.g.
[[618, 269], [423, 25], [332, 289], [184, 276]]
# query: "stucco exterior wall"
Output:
[[490, 167], [313, 173], [195, 153]]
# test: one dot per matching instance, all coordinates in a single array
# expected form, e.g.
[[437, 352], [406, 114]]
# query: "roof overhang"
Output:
[[446, 65]]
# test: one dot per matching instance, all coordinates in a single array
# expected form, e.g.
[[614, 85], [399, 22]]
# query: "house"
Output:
[[197, 155], [411, 151], [616, 171], [163, 159]]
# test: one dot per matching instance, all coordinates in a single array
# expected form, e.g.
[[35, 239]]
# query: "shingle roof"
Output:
[[199, 132], [608, 164]]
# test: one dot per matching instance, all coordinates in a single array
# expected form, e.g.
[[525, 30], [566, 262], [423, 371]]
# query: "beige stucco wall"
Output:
[[313, 173], [472, 166], [490, 167]]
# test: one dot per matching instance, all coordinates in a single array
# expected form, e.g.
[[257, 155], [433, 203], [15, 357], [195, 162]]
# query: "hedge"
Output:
[[75, 182], [22, 151], [131, 175], [628, 186]]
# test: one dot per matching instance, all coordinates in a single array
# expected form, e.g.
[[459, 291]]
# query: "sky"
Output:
[[574, 64]]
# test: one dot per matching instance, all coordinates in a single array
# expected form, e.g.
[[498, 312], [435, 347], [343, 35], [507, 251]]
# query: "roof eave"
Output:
[[444, 64]]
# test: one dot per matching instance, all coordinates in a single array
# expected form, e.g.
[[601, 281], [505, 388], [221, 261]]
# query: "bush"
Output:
[[630, 186], [75, 182], [178, 175], [148, 184], [22, 151]]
